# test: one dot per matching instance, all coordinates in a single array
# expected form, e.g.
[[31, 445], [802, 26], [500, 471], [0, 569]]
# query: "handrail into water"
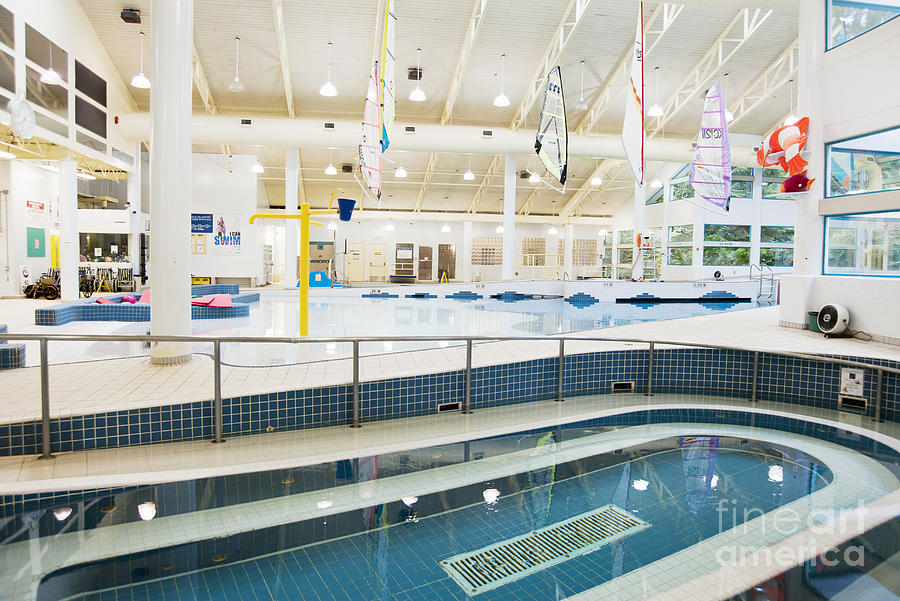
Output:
[[217, 341]]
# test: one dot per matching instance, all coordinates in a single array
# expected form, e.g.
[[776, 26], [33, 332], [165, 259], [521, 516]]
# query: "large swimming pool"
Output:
[[397, 525]]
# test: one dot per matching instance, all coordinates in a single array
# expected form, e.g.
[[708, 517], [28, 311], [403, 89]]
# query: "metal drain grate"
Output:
[[502, 563]]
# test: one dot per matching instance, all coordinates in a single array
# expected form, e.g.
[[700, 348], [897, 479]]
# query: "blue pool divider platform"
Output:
[[91, 310], [11, 354]]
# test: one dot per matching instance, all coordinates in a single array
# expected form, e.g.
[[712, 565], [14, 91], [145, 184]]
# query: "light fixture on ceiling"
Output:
[[445, 228], [499, 229], [656, 110], [257, 167], [603, 233], [236, 85], [332, 225], [389, 227], [85, 175], [791, 118], [399, 171], [418, 94], [328, 88], [49, 76], [656, 184], [596, 181], [330, 169], [501, 99], [582, 105], [140, 80], [468, 175], [729, 116], [534, 178], [552, 231]]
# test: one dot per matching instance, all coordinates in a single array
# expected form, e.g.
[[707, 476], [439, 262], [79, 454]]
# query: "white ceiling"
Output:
[[522, 31]]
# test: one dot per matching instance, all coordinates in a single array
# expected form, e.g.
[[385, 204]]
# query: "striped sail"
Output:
[[388, 60], [551, 143], [711, 167], [370, 143], [633, 127]]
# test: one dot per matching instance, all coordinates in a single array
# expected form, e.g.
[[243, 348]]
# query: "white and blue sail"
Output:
[[388, 67], [370, 160], [711, 167], [552, 140]]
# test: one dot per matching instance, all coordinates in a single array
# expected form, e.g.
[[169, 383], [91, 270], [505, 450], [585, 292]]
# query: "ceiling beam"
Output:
[[779, 72], [281, 38], [657, 25], [607, 169], [525, 209], [202, 84], [565, 31], [426, 179], [475, 21], [493, 167]]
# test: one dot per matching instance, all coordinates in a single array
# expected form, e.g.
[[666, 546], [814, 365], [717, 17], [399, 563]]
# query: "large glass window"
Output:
[[681, 233], [626, 237], [680, 255], [626, 256], [726, 255], [103, 248], [864, 244], [865, 164], [715, 232], [783, 234], [776, 256], [682, 190], [847, 20]]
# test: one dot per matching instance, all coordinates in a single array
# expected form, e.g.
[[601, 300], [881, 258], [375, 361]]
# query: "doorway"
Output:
[[356, 266], [377, 262], [447, 260], [425, 263]]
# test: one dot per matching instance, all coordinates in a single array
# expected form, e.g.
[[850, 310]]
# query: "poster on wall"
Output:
[[36, 210], [198, 244], [201, 223], [36, 239], [227, 239]]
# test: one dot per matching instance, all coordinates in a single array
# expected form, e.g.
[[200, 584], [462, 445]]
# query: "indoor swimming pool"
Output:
[[623, 503], [277, 315]]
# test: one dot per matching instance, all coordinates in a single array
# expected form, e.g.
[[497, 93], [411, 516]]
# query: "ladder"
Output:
[[766, 290], [653, 259]]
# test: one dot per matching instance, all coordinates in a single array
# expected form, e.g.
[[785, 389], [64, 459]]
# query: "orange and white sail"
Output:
[[633, 127]]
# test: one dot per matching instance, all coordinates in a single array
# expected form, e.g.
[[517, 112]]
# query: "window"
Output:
[[101, 248], [534, 252], [487, 250], [741, 188], [625, 256], [848, 19], [657, 196], [623, 273], [773, 177], [855, 166], [681, 255], [626, 237], [681, 233], [726, 233], [776, 257], [783, 234], [682, 190], [726, 255], [864, 244], [584, 252]]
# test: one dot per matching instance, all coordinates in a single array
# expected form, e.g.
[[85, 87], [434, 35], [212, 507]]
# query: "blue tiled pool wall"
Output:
[[700, 371], [91, 310], [11, 354]]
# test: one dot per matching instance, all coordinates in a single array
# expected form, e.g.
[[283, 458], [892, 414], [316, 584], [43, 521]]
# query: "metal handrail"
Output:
[[217, 341]]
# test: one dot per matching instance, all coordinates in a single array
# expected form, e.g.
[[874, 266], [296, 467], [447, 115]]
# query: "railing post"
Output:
[[878, 417], [754, 380], [45, 402], [467, 405], [650, 370], [217, 384], [355, 423], [562, 367]]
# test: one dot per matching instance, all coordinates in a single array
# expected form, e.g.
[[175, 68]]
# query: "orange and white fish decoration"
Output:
[[784, 147]]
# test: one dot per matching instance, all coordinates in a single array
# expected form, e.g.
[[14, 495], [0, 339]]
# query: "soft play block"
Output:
[[105, 301], [145, 297]]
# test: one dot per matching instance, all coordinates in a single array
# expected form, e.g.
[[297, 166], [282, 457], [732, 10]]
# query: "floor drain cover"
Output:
[[502, 563]]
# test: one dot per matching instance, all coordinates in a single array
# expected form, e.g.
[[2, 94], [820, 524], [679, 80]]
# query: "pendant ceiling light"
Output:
[[603, 233], [328, 88], [729, 116], [501, 99], [552, 231], [140, 80], [257, 167], [49, 76], [656, 110], [400, 171], [330, 169], [534, 178], [445, 228], [596, 180], [236, 85], [499, 229], [332, 225], [418, 94], [791, 118], [468, 175], [582, 105], [656, 184]]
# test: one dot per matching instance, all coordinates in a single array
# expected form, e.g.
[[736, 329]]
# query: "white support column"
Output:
[[465, 253], [567, 252], [68, 230], [134, 211], [509, 218], [640, 208], [291, 185], [170, 173]]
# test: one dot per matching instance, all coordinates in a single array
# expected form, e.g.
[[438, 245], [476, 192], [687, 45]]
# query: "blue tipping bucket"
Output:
[[345, 208]]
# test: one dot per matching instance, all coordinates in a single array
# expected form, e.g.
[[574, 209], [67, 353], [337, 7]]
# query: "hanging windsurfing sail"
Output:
[[633, 127], [388, 61], [711, 168], [551, 143], [370, 143]]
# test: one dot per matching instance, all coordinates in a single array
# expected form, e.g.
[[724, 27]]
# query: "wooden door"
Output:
[[377, 262], [425, 263], [447, 260], [356, 261]]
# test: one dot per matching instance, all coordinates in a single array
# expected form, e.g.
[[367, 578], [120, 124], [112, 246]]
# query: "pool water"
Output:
[[392, 550]]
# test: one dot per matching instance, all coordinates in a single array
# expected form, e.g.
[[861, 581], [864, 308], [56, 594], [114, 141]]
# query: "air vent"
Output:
[[409, 129], [131, 15], [329, 126], [487, 133], [524, 174], [444, 407], [246, 122], [346, 168], [501, 563], [853, 403], [622, 386], [414, 74]]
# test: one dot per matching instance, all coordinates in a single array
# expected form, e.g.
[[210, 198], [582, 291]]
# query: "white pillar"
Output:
[[134, 212], [567, 251], [68, 230], [809, 231], [170, 173], [291, 226], [640, 207], [465, 253], [509, 218]]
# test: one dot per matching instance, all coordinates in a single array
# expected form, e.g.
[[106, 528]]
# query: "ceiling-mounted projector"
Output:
[[834, 320]]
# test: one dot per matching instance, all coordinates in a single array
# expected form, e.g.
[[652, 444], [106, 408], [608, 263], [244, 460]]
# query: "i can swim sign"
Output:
[[226, 241]]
